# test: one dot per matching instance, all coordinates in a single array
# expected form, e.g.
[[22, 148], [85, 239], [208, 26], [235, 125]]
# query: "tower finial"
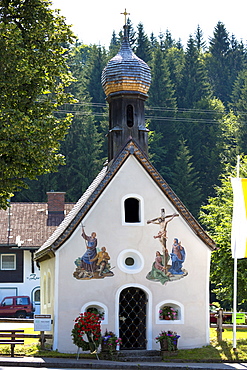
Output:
[[125, 16]]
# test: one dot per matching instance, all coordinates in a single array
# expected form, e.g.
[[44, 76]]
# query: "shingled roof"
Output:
[[27, 223], [73, 219]]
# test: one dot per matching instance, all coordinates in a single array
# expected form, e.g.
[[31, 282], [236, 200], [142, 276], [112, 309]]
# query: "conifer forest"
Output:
[[196, 113]]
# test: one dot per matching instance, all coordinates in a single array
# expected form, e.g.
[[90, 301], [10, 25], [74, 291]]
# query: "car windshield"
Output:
[[7, 302]]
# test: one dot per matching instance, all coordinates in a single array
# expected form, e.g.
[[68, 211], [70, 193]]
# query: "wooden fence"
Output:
[[240, 317]]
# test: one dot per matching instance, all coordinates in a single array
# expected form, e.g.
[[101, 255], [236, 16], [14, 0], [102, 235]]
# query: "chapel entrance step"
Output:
[[139, 355]]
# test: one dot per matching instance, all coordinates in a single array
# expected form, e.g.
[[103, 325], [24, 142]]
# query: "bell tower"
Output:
[[126, 80]]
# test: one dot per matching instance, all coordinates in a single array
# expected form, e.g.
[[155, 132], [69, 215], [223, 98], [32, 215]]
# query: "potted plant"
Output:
[[168, 340], [168, 313], [109, 341]]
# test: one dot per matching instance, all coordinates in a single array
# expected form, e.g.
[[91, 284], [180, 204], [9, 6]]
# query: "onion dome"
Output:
[[126, 72]]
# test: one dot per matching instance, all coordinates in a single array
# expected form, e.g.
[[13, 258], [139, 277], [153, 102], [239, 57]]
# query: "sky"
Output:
[[93, 21]]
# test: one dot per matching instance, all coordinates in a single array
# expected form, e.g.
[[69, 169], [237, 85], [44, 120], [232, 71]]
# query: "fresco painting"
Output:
[[167, 266], [94, 263]]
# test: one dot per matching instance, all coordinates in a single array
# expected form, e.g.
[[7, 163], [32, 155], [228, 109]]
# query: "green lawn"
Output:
[[221, 352]]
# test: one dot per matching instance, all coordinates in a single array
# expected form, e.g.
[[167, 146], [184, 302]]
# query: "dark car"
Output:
[[16, 306]]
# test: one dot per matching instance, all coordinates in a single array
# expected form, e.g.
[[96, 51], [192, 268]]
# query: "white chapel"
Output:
[[129, 247]]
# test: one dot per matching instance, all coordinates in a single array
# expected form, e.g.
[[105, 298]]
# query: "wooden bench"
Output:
[[13, 337]]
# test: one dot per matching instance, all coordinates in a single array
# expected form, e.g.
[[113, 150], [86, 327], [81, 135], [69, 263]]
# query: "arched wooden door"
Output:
[[132, 318]]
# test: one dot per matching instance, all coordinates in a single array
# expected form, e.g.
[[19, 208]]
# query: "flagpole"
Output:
[[235, 283]]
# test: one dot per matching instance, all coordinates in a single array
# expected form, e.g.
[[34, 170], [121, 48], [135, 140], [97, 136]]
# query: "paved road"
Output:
[[33, 363]]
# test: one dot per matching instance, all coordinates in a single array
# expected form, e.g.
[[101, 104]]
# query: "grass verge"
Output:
[[215, 352]]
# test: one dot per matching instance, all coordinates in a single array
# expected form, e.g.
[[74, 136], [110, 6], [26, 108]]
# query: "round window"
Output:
[[130, 261]]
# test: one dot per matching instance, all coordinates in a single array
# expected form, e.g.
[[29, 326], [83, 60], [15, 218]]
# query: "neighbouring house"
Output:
[[129, 248], [24, 228]]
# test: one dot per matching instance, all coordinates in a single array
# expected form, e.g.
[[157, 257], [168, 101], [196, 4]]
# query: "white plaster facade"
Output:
[[69, 296]]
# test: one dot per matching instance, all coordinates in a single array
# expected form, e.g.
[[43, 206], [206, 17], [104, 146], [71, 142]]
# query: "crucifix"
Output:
[[125, 16], [162, 222]]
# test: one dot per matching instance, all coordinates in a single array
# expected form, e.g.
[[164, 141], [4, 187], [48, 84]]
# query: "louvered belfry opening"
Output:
[[132, 318]]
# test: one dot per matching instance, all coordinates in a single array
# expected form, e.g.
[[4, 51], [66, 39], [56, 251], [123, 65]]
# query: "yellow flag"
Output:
[[239, 218]]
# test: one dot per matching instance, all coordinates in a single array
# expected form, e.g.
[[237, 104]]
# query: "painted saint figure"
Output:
[[158, 272], [86, 260], [177, 258], [102, 259]]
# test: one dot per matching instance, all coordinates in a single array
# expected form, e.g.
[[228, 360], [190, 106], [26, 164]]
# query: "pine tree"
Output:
[[200, 43], [161, 98], [175, 59], [168, 42], [194, 84], [114, 45], [217, 62], [185, 179], [92, 74], [239, 105], [143, 46]]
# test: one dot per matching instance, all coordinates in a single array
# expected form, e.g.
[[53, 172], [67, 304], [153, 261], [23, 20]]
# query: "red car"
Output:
[[227, 316], [16, 306]]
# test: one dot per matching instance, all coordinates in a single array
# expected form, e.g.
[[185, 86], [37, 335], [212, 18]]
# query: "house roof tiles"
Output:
[[26, 223]]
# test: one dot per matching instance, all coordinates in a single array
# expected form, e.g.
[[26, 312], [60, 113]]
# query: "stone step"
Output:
[[139, 356]]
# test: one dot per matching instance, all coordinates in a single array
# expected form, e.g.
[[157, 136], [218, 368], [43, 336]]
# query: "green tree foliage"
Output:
[[83, 152], [194, 84], [217, 62], [114, 45], [226, 58], [239, 106], [181, 104], [216, 216], [185, 179], [161, 98], [92, 74], [200, 43], [175, 59], [143, 44], [33, 78]]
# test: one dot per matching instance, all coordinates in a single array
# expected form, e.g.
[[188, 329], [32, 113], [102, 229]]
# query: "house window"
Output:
[[98, 308], [8, 262], [36, 296], [132, 210], [130, 115]]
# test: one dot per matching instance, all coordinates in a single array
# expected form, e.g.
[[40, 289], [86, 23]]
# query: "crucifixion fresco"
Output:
[[167, 267]]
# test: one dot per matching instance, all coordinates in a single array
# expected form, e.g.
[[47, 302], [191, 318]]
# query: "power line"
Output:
[[158, 108]]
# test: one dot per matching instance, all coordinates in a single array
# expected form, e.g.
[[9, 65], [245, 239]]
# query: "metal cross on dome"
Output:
[[125, 16]]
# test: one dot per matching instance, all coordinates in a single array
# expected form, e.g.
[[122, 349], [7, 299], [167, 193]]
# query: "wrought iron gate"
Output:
[[132, 318]]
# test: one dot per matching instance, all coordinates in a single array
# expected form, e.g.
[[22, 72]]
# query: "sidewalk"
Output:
[[103, 364]]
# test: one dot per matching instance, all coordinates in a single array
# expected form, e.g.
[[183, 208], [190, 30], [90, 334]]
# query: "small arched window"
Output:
[[49, 288], [169, 312], [132, 210], [130, 115], [45, 291]]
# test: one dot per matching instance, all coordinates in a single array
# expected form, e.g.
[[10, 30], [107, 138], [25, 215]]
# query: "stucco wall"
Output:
[[105, 218], [47, 287]]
